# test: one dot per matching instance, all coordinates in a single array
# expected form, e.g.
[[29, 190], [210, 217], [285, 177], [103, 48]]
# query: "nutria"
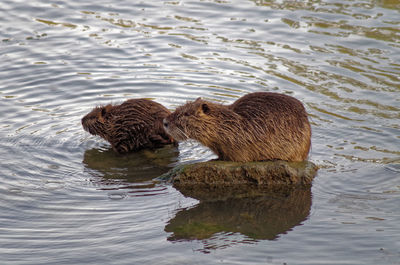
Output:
[[256, 127], [133, 125]]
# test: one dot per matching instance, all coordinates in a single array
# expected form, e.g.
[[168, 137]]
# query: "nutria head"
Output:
[[203, 121], [187, 120], [95, 121], [133, 125]]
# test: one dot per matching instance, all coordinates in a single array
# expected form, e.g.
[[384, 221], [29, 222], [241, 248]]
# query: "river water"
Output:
[[66, 198]]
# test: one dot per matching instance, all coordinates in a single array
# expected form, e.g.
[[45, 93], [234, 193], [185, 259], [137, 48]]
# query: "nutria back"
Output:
[[258, 126], [133, 125]]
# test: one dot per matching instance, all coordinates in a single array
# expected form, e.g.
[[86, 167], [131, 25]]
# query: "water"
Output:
[[67, 198]]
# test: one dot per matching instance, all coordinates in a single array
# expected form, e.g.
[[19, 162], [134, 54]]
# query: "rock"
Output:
[[216, 180]]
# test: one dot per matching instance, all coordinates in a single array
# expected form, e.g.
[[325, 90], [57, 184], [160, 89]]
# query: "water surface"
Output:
[[67, 198]]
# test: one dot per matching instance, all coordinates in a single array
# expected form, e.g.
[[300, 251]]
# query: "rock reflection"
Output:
[[131, 168], [262, 217]]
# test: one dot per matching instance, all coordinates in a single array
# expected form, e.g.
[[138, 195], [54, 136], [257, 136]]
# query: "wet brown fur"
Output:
[[133, 125], [258, 126]]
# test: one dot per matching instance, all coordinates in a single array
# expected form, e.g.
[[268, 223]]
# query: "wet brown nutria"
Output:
[[258, 126], [130, 126]]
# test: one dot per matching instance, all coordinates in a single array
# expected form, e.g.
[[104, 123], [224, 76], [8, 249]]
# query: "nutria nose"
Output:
[[165, 123]]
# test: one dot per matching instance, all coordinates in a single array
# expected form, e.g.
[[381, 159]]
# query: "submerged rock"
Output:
[[216, 180]]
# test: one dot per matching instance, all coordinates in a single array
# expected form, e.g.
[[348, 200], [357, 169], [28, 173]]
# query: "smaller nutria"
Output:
[[256, 127], [130, 126]]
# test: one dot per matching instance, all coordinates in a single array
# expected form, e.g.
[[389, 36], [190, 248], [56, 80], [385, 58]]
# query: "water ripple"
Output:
[[67, 198]]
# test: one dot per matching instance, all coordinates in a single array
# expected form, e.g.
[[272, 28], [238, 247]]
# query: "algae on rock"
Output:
[[216, 180]]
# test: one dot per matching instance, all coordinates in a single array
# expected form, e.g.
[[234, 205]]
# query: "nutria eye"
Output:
[[165, 123]]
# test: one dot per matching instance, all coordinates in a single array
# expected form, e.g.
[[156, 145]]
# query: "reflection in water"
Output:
[[257, 218], [256, 215], [135, 167]]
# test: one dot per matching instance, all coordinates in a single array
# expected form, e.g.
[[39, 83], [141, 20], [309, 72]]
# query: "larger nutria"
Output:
[[256, 127], [133, 125]]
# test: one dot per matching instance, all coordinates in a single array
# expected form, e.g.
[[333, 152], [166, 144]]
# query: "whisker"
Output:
[[182, 132]]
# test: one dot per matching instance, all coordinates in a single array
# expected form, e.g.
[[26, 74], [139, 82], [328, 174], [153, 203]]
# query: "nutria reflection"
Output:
[[133, 167], [257, 218]]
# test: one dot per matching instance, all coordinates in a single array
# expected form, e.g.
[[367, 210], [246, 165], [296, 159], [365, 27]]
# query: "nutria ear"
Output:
[[205, 108], [197, 99], [103, 112]]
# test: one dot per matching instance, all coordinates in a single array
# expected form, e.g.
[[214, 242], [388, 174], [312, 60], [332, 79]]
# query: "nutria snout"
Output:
[[258, 126], [133, 125]]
